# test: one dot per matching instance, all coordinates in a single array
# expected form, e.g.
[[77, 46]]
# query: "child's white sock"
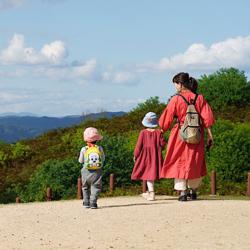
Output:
[[150, 185]]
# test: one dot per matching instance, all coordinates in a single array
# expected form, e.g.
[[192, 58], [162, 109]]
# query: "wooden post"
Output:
[[18, 200], [248, 184], [213, 182], [144, 186], [49, 194], [79, 188], [111, 183]]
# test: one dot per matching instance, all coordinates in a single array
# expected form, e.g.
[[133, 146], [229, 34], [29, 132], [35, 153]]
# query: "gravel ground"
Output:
[[127, 223]]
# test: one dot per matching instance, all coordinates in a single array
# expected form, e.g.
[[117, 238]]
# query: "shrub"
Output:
[[5, 154], [231, 153], [119, 159], [21, 151], [61, 176], [3, 158]]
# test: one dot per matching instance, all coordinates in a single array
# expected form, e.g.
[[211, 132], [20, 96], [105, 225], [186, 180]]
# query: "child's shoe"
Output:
[[86, 204], [151, 196], [145, 195], [93, 206]]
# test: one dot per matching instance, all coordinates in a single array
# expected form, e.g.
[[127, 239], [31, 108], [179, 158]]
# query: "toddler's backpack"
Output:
[[190, 131], [93, 158]]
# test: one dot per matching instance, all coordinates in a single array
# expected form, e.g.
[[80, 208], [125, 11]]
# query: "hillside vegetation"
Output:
[[28, 167]]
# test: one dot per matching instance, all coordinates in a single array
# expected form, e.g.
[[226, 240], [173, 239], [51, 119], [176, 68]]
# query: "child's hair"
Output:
[[93, 142]]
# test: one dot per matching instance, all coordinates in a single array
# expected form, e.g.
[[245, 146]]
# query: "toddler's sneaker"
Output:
[[86, 204], [145, 195], [151, 196], [93, 206]]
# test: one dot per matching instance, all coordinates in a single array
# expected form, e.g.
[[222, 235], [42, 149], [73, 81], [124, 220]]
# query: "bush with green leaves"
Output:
[[60, 176], [21, 151], [73, 140], [5, 154], [225, 88], [119, 159], [230, 156], [3, 158]]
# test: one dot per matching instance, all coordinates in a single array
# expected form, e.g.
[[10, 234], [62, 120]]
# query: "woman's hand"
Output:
[[210, 140], [134, 159]]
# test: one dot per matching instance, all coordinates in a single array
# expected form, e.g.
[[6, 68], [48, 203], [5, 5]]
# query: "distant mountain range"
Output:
[[15, 127]]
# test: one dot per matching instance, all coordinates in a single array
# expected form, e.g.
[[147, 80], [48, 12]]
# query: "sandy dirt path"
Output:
[[126, 223]]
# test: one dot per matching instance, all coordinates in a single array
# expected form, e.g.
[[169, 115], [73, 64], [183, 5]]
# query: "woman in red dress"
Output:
[[185, 162], [148, 154]]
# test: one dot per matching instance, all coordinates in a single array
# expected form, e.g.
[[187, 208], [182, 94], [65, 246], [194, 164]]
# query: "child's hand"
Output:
[[134, 159]]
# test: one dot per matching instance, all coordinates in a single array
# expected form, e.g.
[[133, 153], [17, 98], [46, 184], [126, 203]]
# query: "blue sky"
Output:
[[65, 57]]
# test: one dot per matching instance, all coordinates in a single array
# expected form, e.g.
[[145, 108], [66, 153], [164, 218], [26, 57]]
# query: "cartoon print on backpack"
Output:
[[93, 156], [93, 159]]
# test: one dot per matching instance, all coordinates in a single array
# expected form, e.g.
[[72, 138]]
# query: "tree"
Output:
[[152, 104], [225, 88]]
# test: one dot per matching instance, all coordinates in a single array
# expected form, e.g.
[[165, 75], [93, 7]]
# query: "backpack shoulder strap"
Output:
[[194, 101], [185, 100]]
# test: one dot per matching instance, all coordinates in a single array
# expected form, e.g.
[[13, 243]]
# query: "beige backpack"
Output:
[[190, 131]]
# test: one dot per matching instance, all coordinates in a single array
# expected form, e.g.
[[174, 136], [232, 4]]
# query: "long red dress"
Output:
[[148, 155], [183, 160]]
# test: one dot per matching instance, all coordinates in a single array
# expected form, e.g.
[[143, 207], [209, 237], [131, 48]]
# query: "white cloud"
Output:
[[119, 77], [102, 104], [79, 73], [50, 62], [86, 69], [59, 103], [9, 98], [21, 100], [54, 73], [17, 53], [7, 4], [233, 52], [10, 4], [55, 52], [13, 73]]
